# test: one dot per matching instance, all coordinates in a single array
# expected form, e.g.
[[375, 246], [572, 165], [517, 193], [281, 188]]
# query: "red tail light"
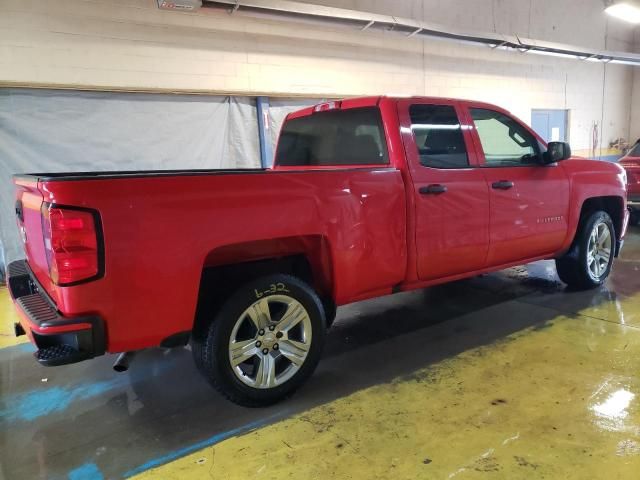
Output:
[[71, 241]]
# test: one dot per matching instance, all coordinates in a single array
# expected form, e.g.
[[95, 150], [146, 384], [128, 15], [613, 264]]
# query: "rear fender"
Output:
[[313, 248], [226, 268]]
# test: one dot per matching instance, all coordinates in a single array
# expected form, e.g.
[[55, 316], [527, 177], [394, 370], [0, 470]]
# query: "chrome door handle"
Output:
[[433, 189], [502, 185]]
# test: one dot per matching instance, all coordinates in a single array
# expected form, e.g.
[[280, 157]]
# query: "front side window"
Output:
[[505, 142], [331, 138], [438, 136]]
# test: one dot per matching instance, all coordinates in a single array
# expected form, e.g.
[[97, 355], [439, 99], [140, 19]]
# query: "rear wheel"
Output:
[[265, 341], [588, 263]]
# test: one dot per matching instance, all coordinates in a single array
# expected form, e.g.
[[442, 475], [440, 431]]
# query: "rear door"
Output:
[[449, 191], [529, 201]]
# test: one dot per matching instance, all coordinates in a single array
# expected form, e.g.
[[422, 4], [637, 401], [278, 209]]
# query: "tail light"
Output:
[[72, 244]]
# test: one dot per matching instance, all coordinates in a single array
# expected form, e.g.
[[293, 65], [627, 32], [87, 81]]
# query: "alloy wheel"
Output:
[[270, 341], [599, 250]]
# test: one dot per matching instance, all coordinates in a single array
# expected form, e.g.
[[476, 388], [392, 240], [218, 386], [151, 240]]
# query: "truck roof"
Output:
[[374, 100]]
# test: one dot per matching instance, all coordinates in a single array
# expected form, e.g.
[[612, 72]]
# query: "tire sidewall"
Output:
[[217, 362], [592, 220]]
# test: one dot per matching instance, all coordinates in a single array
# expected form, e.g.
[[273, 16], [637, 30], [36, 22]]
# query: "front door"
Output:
[[529, 201], [450, 194]]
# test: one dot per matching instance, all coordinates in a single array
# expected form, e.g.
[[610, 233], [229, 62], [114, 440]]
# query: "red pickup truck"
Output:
[[368, 197], [631, 163]]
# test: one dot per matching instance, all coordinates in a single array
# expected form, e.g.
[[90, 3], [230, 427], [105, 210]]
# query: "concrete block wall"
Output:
[[635, 111], [635, 94], [131, 45]]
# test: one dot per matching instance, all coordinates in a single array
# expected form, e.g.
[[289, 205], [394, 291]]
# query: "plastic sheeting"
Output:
[[58, 131]]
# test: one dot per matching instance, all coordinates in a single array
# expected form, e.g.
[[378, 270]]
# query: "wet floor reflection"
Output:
[[612, 412]]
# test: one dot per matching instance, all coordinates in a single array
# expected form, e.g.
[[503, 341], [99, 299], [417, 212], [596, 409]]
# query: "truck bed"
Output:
[[161, 229], [115, 174]]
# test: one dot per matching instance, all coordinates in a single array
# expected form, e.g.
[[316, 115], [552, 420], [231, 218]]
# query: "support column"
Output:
[[264, 132]]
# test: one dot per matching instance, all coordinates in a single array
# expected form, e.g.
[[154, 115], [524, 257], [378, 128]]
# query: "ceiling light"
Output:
[[624, 62], [626, 11], [552, 54]]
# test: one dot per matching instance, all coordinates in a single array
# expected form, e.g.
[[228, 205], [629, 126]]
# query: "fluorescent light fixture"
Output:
[[627, 11], [552, 54], [624, 62]]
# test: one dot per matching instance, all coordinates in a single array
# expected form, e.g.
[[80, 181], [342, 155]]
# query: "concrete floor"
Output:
[[506, 376]]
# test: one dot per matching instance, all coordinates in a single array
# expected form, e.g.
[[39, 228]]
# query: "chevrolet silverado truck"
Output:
[[367, 197], [631, 163]]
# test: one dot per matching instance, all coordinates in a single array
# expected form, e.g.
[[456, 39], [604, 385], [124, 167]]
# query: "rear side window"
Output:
[[336, 137], [438, 136]]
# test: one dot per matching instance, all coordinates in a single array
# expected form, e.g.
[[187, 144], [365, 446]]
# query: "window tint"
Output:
[[438, 136], [335, 137], [505, 142]]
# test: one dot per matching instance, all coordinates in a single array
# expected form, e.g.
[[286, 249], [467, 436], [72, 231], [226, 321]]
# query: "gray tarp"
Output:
[[57, 131]]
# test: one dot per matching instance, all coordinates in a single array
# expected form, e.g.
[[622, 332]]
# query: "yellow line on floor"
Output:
[[8, 317], [555, 402]]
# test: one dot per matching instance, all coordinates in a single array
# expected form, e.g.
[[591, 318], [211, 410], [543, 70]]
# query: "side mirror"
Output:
[[556, 152]]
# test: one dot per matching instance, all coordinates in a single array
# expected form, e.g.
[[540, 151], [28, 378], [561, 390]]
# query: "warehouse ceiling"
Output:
[[297, 11]]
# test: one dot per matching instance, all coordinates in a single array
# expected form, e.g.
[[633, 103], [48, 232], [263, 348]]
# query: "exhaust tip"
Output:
[[122, 362], [18, 330]]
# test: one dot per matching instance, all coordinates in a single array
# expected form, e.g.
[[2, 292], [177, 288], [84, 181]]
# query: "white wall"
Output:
[[635, 96], [130, 44], [635, 111]]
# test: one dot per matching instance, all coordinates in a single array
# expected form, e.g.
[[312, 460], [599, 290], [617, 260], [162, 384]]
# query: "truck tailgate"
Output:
[[28, 204]]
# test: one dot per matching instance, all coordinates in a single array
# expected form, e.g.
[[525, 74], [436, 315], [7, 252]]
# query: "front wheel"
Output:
[[265, 341], [589, 261]]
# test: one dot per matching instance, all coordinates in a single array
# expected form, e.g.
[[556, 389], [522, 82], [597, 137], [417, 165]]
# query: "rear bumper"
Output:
[[60, 340]]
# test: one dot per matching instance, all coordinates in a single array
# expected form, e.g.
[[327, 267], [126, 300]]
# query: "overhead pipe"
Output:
[[291, 10]]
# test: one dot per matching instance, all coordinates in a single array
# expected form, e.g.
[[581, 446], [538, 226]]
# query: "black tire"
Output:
[[573, 267], [211, 353], [197, 344]]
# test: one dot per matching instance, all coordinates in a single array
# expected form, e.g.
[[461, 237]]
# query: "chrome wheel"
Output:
[[599, 250], [270, 341]]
